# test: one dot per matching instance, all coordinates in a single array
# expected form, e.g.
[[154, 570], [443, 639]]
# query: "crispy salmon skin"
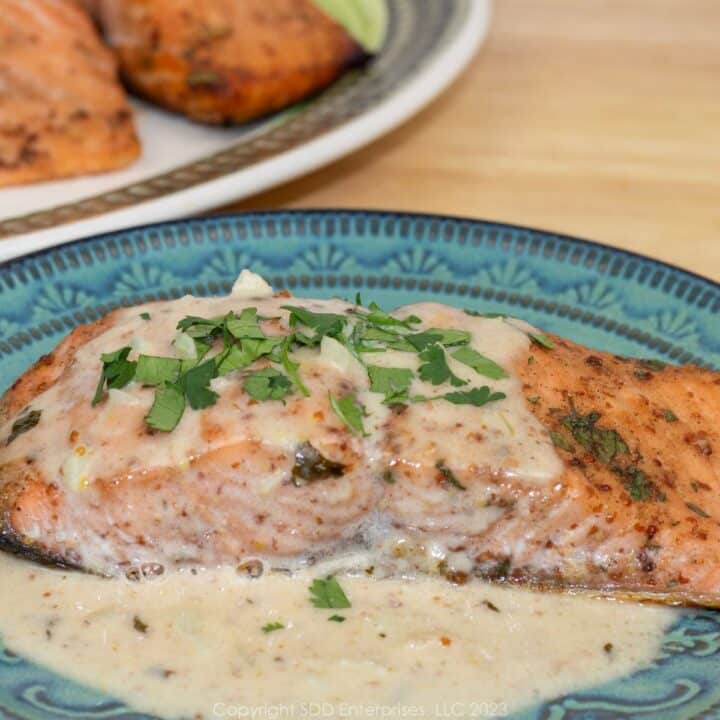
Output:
[[223, 61], [436, 440], [63, 111]]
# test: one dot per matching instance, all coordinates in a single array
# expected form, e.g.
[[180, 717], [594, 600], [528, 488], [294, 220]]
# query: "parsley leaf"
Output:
[[542, 340], [328, 594], [602, 443], [267, 384], [669, 415], [291, 368], [421, 341], [241, 356], [196, 384], [635, 482], [167, 409], [435, 369], [377, 316], [272, 627], [350, 411], [448, 475], [451, 336], [478, 362], [145, 315], [117, 372], [245, 325], [559, 440], [322, 323], [197, 327], [337, 618], [153, 370], [476, 396], [394, 383]]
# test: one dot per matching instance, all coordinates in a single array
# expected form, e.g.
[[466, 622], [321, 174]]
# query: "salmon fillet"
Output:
[[62, 110], [223, 61], [542, 462]]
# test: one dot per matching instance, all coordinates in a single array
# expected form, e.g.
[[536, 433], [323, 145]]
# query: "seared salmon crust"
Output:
[[223, 61]]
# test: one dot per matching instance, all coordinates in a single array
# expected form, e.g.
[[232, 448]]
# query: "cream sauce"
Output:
[[105, 440], [185, 644], [76, 444]]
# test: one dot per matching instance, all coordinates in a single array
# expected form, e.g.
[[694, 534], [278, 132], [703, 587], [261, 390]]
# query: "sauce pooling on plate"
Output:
[[222, 645]]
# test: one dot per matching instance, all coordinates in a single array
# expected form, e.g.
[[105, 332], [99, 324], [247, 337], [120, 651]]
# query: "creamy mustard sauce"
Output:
[[108, 444], [75, 443], [188, 644]]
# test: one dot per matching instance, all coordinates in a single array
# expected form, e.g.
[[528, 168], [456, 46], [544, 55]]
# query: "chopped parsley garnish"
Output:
[[604, 444], [451, 336], [479, 363], [559, 440], [477, 396], [328, 594], [267, 384], [697, 510], [448, 475], [434, 368], [291, 367], [393, 383], [534, 399], [350, 411], [145, 315], [669, 415], [419, 341], [152, 370], [27, 421], [196, 384], [117, 372], [636, 484], [608, 446], [322, 323], [337, 618], [376, 316], [207, 348], [542, 340], [197, 327], [272, 627], [245, 325], [167, 409]]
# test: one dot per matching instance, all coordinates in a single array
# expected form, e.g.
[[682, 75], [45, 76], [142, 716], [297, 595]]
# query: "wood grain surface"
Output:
[[598, 118]]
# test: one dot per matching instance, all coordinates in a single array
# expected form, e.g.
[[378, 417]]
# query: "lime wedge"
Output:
[[365, 20]]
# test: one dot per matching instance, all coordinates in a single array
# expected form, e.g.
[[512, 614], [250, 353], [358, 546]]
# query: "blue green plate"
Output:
[[593, 294]]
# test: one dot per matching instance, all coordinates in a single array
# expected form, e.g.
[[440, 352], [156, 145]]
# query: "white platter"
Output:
[[188, 168]]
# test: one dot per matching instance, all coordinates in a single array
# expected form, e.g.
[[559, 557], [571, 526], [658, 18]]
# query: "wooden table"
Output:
[[595, 118]]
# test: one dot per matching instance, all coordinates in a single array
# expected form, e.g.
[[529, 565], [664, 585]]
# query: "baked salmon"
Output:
[[63, 111], [261, 428], [223, 61]]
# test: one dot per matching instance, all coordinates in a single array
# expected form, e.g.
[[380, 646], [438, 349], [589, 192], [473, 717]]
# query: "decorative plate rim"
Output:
[[5, 263]]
